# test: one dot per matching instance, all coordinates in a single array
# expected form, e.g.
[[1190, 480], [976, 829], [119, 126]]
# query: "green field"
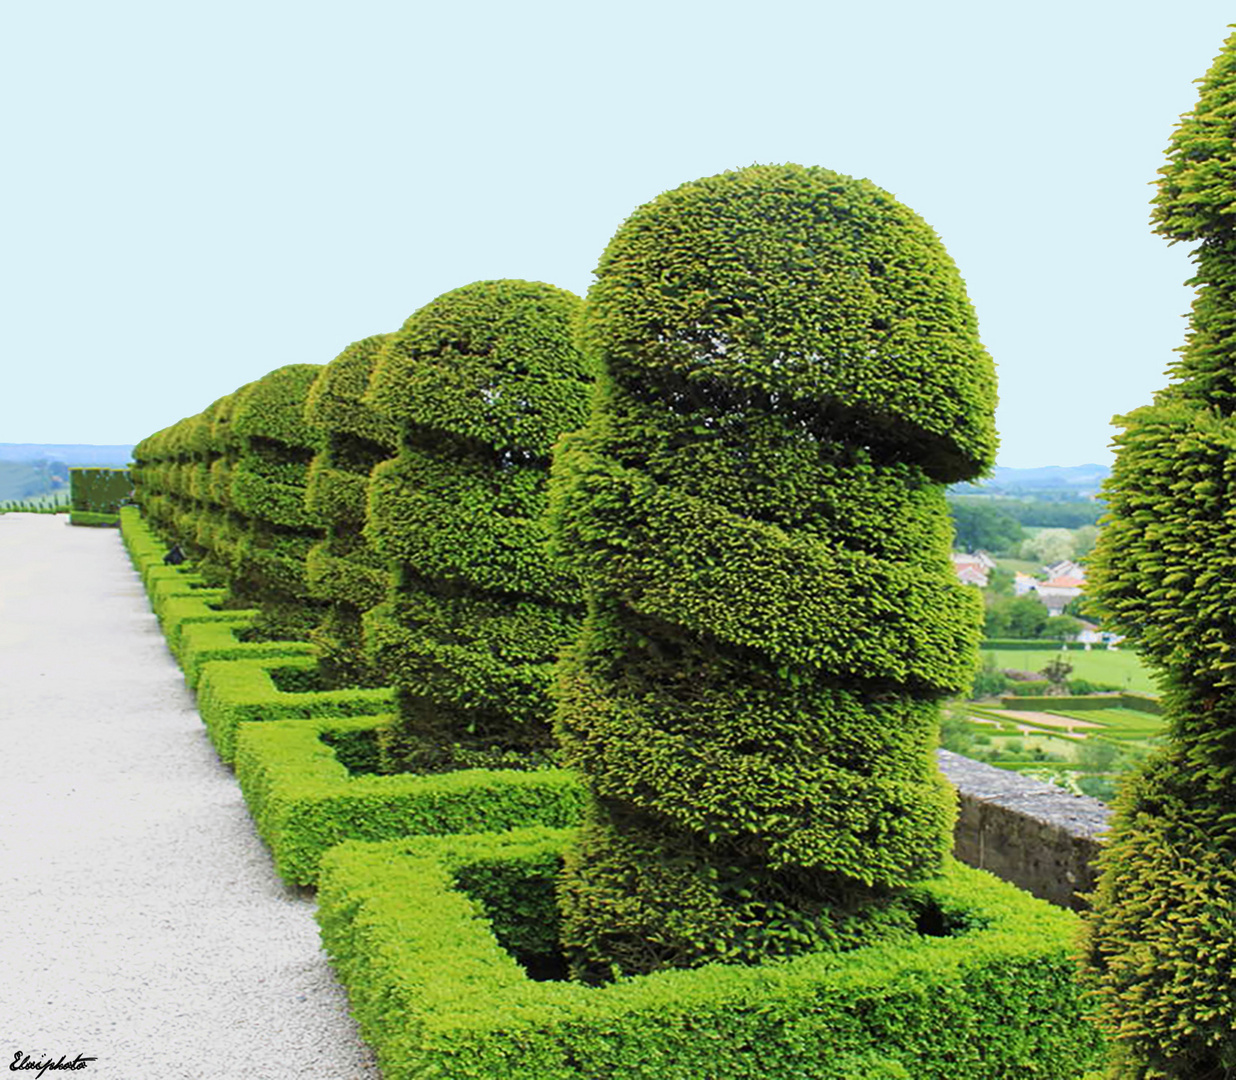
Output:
[[1087, 760], [1120, 668]]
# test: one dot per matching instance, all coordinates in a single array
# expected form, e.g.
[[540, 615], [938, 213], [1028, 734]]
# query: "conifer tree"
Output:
[[1161, 937], [790, 374]]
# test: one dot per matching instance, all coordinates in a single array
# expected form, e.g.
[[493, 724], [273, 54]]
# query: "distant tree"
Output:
[[980, 526], [1000, 582], [1084, 540], [1097, 756], [1057, 673], [1049, 546], [1061, 627], [1016, 617], [989, 682]]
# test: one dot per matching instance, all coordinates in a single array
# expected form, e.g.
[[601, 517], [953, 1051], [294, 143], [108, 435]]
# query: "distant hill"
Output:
[[1045, 482], [68, 453], [32, 470]]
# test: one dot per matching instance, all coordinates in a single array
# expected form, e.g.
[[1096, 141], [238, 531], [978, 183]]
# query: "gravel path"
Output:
[[141, 923]]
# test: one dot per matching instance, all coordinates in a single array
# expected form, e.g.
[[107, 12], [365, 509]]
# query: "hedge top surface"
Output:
[[201, 435], [222, 432], [495, 361], [336, 399], [809, 289], [273, 407]]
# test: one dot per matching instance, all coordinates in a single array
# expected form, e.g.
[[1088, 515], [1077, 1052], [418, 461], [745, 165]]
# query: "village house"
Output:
[[973, 569]]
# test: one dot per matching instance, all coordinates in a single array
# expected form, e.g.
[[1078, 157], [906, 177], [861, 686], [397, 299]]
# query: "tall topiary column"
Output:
[[1161, 939], [267, 489], [791, 374], [162, 481], [481, 382], [343, 569]]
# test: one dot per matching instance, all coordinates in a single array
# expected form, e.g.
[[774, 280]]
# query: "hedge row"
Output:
[[434, 937], [305, 759]]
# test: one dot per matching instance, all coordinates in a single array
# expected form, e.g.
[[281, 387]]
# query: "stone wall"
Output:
[[1035, 835]]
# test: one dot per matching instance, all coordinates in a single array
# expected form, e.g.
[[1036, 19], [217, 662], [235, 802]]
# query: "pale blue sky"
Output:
[[196, 194]]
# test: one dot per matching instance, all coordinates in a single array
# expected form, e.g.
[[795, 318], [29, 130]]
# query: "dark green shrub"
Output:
[[1159, 945], [481, 382], [100, 491], [791, 376], [344, 570], [267, 490]]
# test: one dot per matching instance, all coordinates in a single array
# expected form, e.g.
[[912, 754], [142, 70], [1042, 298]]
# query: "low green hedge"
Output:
[[419, 931], [1074, 702], [234, 692], [178, 612], [201, 642], [1020, 644], [145, 549], [304, 800], [90, 517]]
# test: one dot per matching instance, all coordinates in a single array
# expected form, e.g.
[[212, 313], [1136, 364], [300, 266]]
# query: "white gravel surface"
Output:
[[141, 923]]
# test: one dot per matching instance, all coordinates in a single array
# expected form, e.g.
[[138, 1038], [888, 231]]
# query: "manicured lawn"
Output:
[[1120, 668]]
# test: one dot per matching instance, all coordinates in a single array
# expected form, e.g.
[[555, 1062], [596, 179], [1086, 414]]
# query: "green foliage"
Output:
[[98, 490], [495, 362], [234, 692], [990, 681], [1036, 513], [267, 490], [1160, 943], [981, 526], [1049, 546], [1018, 617], [419, 932], [1160, 938], [1057, 673], [344, 570], [481, 381], [304, 800], [791, 373]]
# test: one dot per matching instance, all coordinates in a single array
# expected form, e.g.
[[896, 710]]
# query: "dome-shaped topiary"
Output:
[[481, 381], [344, 570], [791, 371], [267, 489], [1159, 940]]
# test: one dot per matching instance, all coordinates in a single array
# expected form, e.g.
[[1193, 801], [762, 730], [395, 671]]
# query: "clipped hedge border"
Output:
[[196, 632], [304, 800], [234, 692], [93, 518], [436, 993], [1026, 645], [201, 642], [1139, 702]]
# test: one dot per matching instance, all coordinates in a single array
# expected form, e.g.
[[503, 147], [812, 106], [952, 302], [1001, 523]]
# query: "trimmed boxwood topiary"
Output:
[[481, 381], [344, 570], [1161, 939], [791, 374], [267, 489]]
